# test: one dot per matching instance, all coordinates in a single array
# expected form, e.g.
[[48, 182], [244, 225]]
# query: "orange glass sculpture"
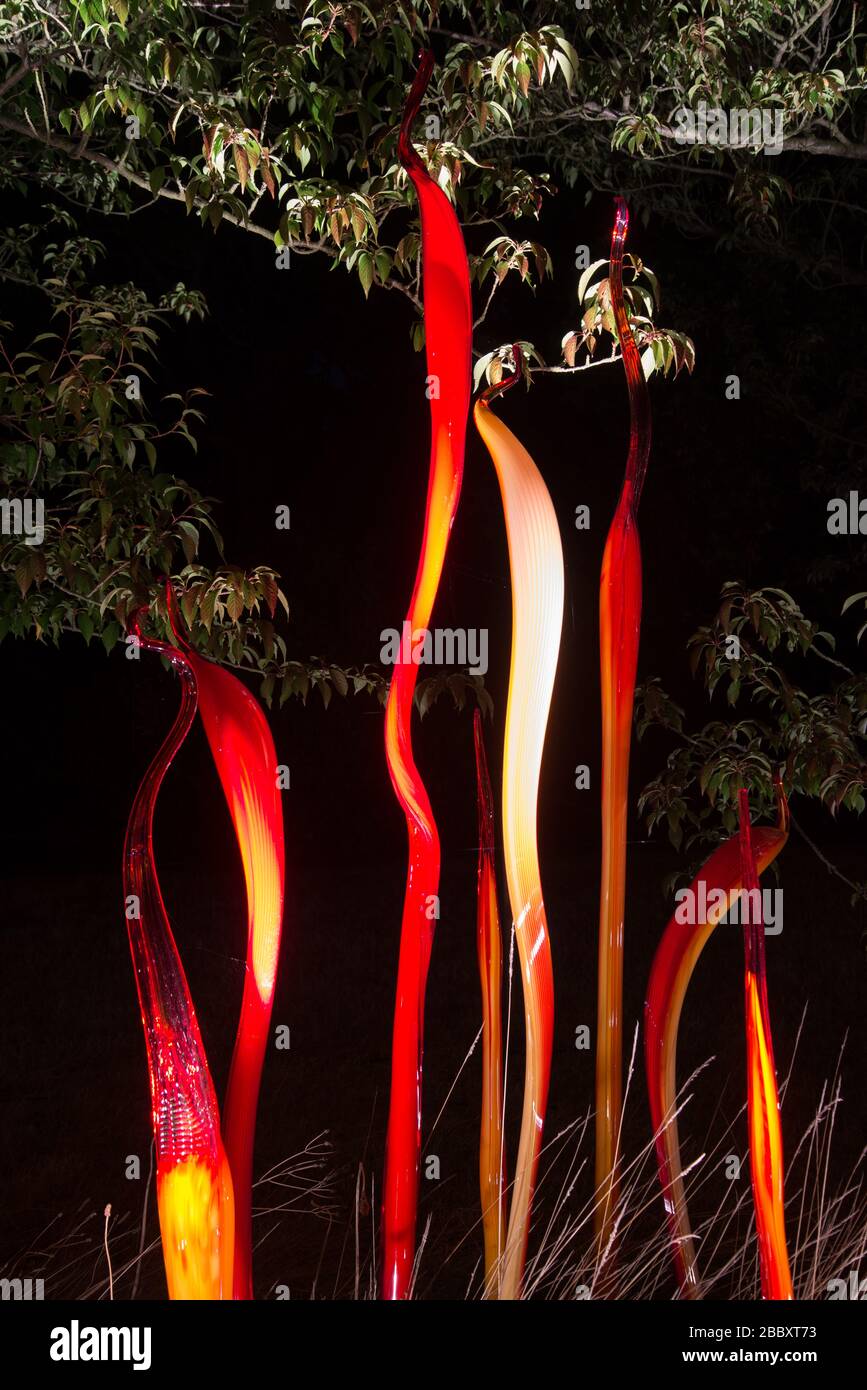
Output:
[[491, 1154], [243, 751], [194, 1186], [712, 893], [763, 1104], [619, 628], [448, 337], [536, 564]]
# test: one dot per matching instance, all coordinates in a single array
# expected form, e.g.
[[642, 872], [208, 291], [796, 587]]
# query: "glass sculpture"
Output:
[[448, 337], [763, 1104], [489, 944], [619, 627], [713, 891], [194, 1186], [536, 565], [243, 751]]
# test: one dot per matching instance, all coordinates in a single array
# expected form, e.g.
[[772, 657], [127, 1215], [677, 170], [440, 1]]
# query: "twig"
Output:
[[144, 1218], [107, 1214], [857, 888]]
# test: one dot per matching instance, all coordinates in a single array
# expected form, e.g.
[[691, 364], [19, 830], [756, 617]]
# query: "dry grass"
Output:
[[826, 1220]]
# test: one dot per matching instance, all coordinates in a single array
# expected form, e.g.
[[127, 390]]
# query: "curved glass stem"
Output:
[[448, 337], [619, 629], [194, 1187], [763, 1104], [244, 755], [536, 565], [489, 945], [639, 398], [711, 894]]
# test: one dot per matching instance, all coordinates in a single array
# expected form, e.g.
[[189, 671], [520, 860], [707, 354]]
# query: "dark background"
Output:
[[317, 401]]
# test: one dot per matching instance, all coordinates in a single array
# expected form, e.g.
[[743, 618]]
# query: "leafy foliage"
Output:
[[660, 348], [81, 440], [71, 403], [281, 118], [814, 734]]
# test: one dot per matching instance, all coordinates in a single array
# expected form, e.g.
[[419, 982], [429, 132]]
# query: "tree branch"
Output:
[[857, 888], [15, 77], [80, 152], [117, 167]]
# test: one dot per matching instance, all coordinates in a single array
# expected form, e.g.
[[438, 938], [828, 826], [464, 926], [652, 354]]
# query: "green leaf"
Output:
[[341, 685], [189, 539], [587, 276], [235, 604], [206, 609], [365, 271], [853, 598]]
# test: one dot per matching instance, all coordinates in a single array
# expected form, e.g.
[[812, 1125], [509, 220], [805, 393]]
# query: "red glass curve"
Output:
[[448, 337], [246, 761], [620, 596], [194, 1188], [763, 1103], [712, 891]]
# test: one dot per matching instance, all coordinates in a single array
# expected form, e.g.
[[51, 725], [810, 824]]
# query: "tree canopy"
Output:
[[278, 119], [282, 116]]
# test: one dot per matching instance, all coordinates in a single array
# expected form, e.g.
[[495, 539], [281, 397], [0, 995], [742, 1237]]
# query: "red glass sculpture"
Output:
[[763, 1104], [194, 1186], [619, 627], [448, 336], [712, 893], [536, 564], [491, 1154], [243, 751]]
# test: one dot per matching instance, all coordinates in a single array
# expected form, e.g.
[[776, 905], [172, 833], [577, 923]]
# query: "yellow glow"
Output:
[[766, 1149], [196, 1212], [263, 879], [536, 563], [768, 844]]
